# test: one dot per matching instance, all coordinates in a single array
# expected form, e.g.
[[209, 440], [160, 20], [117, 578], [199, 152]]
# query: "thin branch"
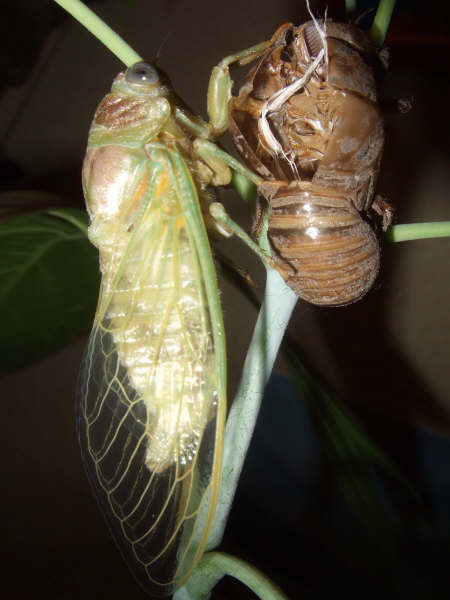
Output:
[[418, 231], [381, 21], [215, 565], [101, 31]]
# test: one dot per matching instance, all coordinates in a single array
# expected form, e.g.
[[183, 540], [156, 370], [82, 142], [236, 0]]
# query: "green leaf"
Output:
[[48, 284]]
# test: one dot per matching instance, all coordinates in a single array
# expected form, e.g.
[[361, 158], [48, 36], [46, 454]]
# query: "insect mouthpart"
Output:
[[313, 40]]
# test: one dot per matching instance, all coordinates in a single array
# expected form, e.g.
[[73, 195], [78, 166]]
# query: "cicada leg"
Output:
[[219, 214], [384, 210], [219, 105], [219, 161], [220, 85]]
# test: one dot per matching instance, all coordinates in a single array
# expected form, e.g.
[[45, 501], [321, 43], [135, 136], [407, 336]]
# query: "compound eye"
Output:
[[142, 73]]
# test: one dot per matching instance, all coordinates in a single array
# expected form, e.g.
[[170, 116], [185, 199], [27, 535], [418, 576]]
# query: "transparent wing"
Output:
[[150, 400]]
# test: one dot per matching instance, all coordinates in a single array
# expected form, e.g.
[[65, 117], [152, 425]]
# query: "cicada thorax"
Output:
[[325, 136]]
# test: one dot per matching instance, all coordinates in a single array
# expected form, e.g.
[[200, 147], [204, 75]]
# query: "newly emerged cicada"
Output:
[[307, 120], [151, 397]]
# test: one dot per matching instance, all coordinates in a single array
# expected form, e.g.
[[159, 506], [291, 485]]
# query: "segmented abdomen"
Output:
[[159, 323], [328, 255]]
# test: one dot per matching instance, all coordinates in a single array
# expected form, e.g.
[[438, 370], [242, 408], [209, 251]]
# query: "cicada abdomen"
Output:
[[322, 247], [152, 389], [307, 120]]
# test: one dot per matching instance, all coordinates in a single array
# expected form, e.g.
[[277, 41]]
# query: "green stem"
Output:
[[211, 569], [101, 31], [418, 231], [381, 21], [279, 302], [273, 318]]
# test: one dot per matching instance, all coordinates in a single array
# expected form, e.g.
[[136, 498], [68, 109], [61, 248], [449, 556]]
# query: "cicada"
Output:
[[151, 397], [307, 120]]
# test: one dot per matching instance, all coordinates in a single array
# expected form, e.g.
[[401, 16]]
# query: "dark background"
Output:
[[386, 357]]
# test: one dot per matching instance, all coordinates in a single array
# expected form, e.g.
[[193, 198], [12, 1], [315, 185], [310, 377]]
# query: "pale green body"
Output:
[[152, 397], [153, 386]]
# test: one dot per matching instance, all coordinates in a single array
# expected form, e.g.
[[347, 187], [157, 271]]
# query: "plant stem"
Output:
[[418, 231], [101, 31], [211, 569], [273, 319], [381, 21], [279, 302]]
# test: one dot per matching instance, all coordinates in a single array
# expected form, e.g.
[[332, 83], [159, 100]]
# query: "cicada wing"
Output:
[[150, 414], [112, 435]]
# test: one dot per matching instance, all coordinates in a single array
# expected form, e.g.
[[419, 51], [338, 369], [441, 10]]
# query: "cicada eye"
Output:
[[142, 72]]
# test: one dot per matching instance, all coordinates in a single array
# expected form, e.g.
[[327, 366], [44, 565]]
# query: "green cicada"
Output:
[[151, 397], [152, 390]]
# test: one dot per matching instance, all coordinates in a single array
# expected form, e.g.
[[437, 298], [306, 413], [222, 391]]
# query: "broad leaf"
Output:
[[48, 284]]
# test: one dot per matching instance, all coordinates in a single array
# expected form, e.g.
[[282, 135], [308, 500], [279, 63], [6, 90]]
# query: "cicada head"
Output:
[[135, 97]]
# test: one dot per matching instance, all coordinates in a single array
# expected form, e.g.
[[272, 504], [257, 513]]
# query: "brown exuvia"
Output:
[[307, 120]]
